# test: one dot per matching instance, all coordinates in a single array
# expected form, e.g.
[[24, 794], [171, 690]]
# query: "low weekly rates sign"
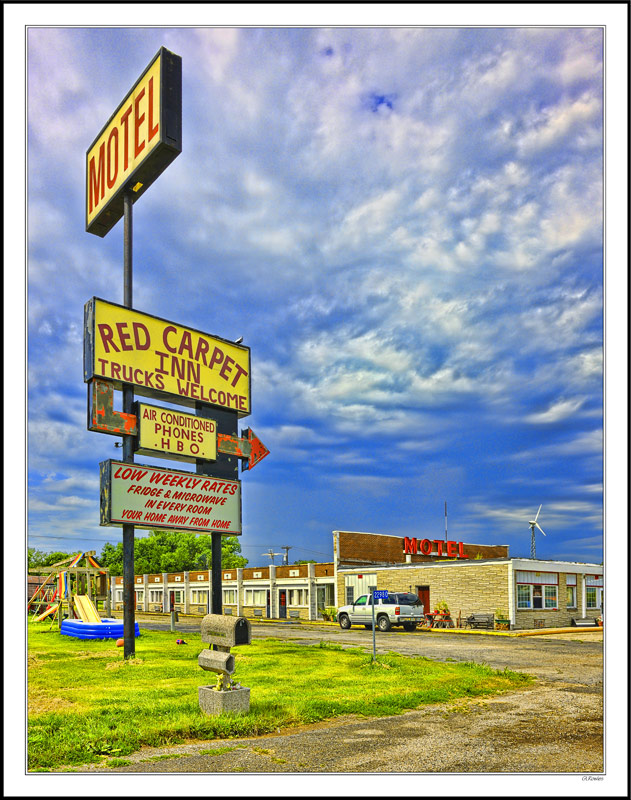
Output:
[[153, 497]]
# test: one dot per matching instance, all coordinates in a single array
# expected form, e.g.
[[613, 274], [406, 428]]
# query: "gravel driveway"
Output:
[[553, 726]]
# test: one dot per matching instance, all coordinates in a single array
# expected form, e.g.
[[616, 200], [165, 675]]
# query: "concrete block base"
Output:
[[232, 701]]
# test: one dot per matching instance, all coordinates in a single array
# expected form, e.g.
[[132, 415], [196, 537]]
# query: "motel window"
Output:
[[255, 597], [350, 595], [119, 595], [593, 596], [570, 582], [594, 591], [550, 596], [140, 596], [230, 597], [536, 596], [537, 589], [178, 596], [155, 595], [523, 597], [200, 597], [297, 597]]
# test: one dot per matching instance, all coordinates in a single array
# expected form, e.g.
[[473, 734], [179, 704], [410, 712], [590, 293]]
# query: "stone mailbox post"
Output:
[[221, 633]]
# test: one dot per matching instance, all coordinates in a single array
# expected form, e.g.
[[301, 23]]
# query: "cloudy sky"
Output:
[[405, 224]]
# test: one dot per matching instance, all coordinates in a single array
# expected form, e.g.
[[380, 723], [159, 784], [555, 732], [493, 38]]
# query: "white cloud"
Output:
[[217, 49], [57, 485], [547, 127], [556, 412], [73, 500], [370, 218], [584, 445], [553, 513], [373, 485]]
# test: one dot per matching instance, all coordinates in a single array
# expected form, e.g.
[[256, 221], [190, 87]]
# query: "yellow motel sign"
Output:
[[138, 142]]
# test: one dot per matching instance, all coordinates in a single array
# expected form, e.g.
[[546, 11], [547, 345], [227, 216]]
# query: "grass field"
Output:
[[86, 704]]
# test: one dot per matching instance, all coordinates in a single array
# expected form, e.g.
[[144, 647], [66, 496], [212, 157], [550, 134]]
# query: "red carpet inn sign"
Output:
[[163, 358]]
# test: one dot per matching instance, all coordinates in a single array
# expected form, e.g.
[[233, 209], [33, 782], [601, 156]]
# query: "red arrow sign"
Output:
[[249, 447]]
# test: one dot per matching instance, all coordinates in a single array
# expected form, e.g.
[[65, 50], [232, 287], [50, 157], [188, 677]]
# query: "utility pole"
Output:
[[286, 548], [445, 520], [270, 554]]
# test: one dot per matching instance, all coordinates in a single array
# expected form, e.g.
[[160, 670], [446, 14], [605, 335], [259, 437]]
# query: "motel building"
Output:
[[469, 578]]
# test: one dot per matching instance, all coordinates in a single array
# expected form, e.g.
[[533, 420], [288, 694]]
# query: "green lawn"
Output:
[[86, 703]]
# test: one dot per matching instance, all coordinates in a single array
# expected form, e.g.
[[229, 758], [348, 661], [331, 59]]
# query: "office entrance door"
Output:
[[423, 596]]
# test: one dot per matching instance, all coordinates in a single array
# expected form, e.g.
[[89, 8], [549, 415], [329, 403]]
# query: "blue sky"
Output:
[[406, 227]]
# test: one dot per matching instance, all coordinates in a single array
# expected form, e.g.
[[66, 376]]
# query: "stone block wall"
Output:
[[248, 611], [303, 613], [467, 590]]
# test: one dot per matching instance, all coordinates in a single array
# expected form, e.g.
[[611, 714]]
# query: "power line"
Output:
[[67, 538], [296, 546]]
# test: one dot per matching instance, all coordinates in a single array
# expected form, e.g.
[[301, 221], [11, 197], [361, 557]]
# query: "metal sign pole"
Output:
[[374, 645], [129, 649], [377, 594], [226, 466]]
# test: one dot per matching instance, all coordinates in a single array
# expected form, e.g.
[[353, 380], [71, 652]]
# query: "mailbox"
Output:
[[220, 633], [215, 661], [225, 632]]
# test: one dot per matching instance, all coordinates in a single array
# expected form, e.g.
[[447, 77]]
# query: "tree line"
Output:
[[160, 551]]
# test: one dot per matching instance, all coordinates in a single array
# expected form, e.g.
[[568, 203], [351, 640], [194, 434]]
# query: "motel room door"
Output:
[[423, 596], [282, 604]]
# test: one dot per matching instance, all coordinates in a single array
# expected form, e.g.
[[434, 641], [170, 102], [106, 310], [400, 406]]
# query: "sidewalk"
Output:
[[191, 618]]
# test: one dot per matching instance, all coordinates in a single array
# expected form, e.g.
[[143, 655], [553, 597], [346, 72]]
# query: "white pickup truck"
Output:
[[399, 608]]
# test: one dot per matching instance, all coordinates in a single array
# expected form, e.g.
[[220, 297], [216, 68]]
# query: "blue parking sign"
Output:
[[380, 594]]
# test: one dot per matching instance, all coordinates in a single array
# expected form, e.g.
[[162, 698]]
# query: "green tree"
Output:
[[172, 551], [112, 557], [36, 558], [55, 558]]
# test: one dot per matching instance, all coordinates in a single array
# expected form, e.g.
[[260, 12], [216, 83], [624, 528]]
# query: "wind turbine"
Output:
[[534, 524], [270, 554]]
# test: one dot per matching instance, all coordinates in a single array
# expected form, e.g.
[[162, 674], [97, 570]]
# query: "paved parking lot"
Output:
[[555, 726]]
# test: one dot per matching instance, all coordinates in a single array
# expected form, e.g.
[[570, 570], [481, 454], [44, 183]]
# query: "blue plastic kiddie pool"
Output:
[[105, 629]]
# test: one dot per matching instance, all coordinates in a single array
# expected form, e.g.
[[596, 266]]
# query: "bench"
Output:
[[584, 622], [480, 621]]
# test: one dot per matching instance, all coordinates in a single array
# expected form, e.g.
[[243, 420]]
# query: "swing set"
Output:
[[72, 590]]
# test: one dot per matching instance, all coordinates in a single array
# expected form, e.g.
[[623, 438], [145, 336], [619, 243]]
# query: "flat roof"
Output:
[[532, 564]]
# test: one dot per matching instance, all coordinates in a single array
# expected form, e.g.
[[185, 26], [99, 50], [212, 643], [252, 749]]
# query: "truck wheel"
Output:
[[383, 623], [409, 626], [345, 622]]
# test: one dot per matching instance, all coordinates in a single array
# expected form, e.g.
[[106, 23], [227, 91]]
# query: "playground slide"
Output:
[[47, 613], [86, 609]]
